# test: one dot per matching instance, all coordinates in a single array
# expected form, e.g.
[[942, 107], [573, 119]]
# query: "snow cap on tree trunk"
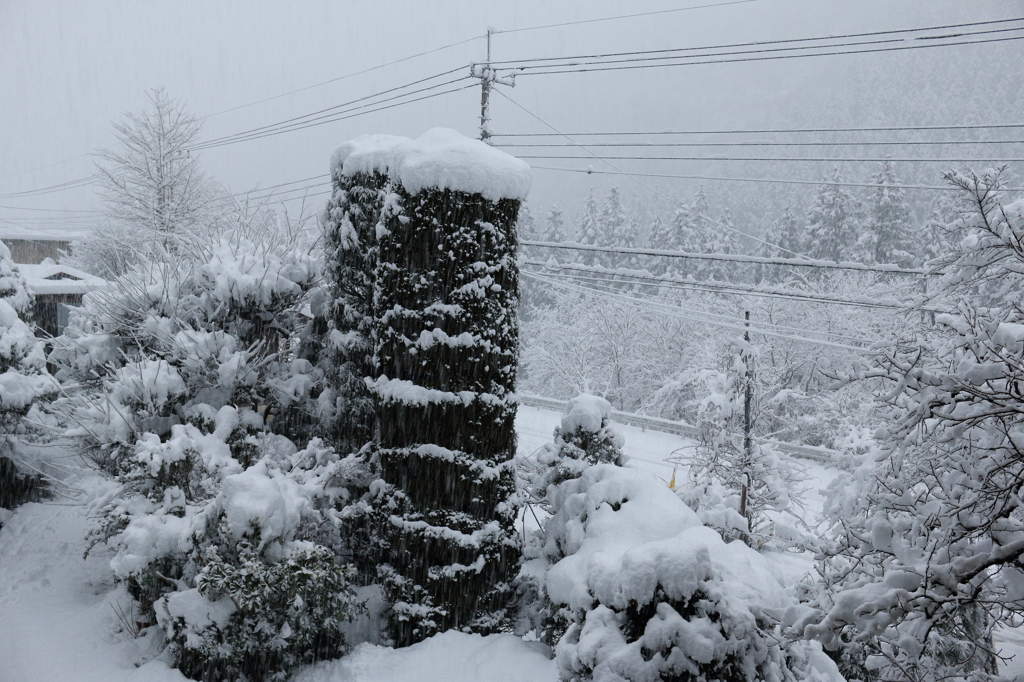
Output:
[[440, 158], [367, 154]]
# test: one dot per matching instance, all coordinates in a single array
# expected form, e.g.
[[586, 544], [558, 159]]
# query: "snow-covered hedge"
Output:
[[653, 594], [230, 537], [171, 343]]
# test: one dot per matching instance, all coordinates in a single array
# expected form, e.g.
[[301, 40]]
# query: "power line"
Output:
[[340, 118], [622, 16], [305, 121], [575, 59], [764, 131], [605, 286], [639, 182], [888, 32], [590, 171], [595, 66], [729, 257], [349, 75], [859, 143], [61, 187], [672, 311], [774, 159], [52, 210], [49, 165], [672, 281]]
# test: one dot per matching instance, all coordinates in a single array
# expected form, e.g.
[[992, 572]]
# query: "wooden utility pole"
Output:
[[487, 80], [748, 399]]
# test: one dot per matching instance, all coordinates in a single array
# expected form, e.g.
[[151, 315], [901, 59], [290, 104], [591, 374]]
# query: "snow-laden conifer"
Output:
[[833, 222], [446, 350], [350, 259], [887, 238]]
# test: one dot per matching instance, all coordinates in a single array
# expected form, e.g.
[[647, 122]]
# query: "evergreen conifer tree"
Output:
[[833, 222], [590, 228], [446, 348], [555, 225], [887, 239], [350, 250]]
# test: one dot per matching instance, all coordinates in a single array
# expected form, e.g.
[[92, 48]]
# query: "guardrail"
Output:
[[824, 455]]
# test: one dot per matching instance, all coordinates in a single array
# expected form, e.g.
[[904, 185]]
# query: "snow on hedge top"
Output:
[[366, 154], [441, 158], [587, 411]]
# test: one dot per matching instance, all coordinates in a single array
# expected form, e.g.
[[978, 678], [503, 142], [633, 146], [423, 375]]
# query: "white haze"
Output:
[[70, 68]]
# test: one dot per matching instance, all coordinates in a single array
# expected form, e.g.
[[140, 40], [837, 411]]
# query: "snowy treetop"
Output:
[[441, 158], [586, 411]]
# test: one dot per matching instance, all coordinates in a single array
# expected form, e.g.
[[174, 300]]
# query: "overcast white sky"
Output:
[[70, 67]]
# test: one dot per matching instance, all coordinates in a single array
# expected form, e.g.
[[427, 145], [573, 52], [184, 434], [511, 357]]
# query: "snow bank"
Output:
[[440, 158], [447, 657]]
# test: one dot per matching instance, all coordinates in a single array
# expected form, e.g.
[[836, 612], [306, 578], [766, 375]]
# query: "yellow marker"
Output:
[[672, 483]]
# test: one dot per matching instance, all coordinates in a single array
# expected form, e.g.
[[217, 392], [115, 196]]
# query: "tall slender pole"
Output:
[[748, 399], [486, 80]]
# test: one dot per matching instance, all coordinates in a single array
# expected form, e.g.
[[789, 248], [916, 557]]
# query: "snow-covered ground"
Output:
[[59, 620]]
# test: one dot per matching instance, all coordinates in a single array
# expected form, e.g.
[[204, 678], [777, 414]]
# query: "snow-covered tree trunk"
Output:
[[446, 349]]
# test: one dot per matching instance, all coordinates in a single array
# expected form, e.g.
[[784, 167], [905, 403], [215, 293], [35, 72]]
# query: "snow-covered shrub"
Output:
[[652, 594], [256, 620], [24, 381], [585, 437], [186, 388], [926, 542], [218, 552], [173, 342], [446, 345]]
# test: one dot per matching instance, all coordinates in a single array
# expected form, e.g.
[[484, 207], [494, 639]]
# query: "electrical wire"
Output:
[[607, 286], [323, 113], [763, 131], [349, 75], [671, 311], [730, 257], [339, 118], [592, 67], [590, 171], [622, 16], [61, 187], [660, 145], [774, 159], [641, 183], [759, 43], [682, 283]]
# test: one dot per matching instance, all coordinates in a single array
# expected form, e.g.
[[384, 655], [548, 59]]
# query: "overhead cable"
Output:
[[640, 182], [730, 257], [621, 16], [760, 43], [591, 171]]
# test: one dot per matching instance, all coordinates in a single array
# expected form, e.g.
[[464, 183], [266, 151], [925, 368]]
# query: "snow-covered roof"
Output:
[[51, 234], [52, 278], [440, 158]]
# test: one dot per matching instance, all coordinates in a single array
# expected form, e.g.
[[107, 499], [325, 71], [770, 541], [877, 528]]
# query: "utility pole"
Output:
[[487, 79], [748, 400]]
